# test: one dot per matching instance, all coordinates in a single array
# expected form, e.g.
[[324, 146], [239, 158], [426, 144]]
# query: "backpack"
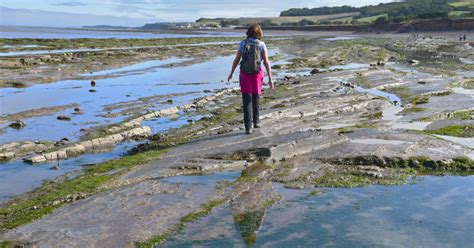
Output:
[[251, 57]]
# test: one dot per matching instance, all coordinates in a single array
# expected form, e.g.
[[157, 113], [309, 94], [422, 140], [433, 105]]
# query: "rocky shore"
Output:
[[335, 128]]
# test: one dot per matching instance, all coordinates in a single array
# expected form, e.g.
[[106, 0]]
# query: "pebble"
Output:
[[64, 118]]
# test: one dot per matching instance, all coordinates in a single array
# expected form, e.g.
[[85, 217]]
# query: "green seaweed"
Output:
[[421, 99], [464, 115], [464, 131], [374, 116], [366, 125], [315, 193], [342, 180], [51, 195], [414, 109], [419, 163]]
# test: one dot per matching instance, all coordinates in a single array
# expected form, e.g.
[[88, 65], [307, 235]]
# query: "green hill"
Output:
[[395, 11], [268, 21]]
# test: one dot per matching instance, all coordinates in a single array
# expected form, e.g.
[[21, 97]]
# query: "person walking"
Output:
[[251, 54]]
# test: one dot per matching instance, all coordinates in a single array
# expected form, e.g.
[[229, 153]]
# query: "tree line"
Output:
[[395, 11]]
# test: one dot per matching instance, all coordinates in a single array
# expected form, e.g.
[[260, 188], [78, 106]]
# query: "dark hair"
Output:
[[255, 31]]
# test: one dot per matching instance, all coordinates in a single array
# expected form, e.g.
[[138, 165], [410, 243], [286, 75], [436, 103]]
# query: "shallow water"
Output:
[[391, 97], [60, 51], [463, 91], [158, 81], [126, 87], [147, 65], [340, 38], [17, 177], [64, 33], [415, 125], [378, 142], [132, 83], [349, 66], [434, 212]]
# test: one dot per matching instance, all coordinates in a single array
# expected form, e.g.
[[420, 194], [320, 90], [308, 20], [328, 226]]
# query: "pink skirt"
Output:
[[251, 83]]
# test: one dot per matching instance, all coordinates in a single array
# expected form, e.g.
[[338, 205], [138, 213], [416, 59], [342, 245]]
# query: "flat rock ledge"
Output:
[[20, 148], [90, 145], [117, 133]]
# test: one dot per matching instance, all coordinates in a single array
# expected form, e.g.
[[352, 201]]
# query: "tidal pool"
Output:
[[124, 88], [16, 177], [188, 81], [432, 212]]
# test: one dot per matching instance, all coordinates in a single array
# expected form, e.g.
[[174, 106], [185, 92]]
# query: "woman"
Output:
[[252, 51]]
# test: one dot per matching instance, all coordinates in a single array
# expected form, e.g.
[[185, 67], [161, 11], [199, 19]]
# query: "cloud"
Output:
[[71, 4], [157, 10], [136, 10], [41, 18]]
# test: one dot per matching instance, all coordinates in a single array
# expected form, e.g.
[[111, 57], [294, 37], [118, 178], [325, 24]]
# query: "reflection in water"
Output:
[[434, 212], [248, 224], [249, 208]]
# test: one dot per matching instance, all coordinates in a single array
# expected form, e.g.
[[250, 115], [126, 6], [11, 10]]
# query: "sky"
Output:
[[76, 13]]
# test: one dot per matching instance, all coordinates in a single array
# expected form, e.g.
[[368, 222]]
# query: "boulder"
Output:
[[64, 118], [17, 125], [24, 61], [7, 155], [413, 61], [187, 106], [315, 71], [27, 146], [117, 138], [95, 144], [149, 116], [75, 150], [62, 142], [40, 148], [169, 111], [87, 144], [107, 141], [36, 159]]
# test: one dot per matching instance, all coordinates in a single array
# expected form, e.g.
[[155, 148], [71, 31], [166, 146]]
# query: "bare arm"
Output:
[[236, 62], [268, 67]]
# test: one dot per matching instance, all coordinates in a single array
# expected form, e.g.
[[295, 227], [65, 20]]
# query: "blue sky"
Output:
[[138, 12]]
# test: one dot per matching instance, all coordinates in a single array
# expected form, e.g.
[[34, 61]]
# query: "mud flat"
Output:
[[318, 133]]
